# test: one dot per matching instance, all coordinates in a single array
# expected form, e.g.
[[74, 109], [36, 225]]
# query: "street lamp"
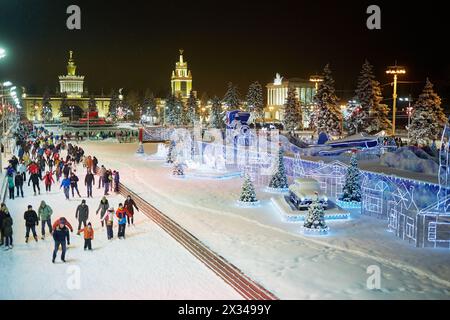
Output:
[[71, 113], [395, 71], [316, 79]]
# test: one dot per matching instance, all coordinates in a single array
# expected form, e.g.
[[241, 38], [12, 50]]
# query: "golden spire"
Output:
[[71, 67], [181, 55]]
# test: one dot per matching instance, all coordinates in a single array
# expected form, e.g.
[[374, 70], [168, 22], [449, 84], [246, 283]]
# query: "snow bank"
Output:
[[410, 159]]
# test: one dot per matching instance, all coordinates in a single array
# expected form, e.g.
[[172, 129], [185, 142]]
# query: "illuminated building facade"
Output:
[[181, 80]]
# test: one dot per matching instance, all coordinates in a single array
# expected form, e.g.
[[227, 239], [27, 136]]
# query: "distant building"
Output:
[[181, 80], [71, 89], [277, 93]]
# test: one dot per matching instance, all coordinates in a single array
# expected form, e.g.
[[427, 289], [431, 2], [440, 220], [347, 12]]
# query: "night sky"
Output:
[[134, 44]]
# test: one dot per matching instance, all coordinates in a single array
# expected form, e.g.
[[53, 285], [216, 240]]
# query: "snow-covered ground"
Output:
[[149, 264], [274, 252]]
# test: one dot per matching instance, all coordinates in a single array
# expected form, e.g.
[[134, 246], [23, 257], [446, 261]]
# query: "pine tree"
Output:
[[248, 193], [255, 100], [292, 112], [92, 104], [170, 156], [114, 104], [178, 169], [352, 187], [64, 106], [279, 179], [174, 110], [193, 111], [216, 119], [132, 104], [428, 118], [149, 105], [47, 112], [329, 116], [315, 218], [231, 98]]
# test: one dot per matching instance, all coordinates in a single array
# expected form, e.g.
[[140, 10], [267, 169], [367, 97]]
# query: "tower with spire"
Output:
[[71, 84], [181, 81]]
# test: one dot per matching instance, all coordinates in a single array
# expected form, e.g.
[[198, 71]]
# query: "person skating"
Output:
[[45, 214], [65, 183], [6, 226], [102, 175], [48, 180], [116, 181], [88, 236], [3, 211], [130, 205], [94, 164], [106, 182], [22, 169], [34, 177], [82, 214], [102, 207], [121, 214], [18, 181], [74, 184], [60, 235], [89, 182], [31, 221], [108, 219], [10, 182], [65, 222]]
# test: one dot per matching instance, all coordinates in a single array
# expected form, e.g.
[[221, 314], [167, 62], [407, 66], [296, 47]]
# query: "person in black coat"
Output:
[[31, 221], [60, 235], [3, 211], [35, 177], [74, 184], [89, 181], [18, 181]]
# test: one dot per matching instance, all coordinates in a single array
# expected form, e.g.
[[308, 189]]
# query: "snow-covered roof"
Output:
[[332, 168], [441, 207]]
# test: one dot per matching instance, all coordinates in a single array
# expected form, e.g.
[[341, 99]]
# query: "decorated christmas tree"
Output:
[[255, 100], [328, 113], [279, 179], [292, 112], [428, 118], [231, 98], [248, 193], [170, 155], [352, 187], [315, 218], [178, 169], [216, 119]]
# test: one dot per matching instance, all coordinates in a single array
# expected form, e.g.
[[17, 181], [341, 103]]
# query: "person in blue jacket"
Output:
[[65, 183]]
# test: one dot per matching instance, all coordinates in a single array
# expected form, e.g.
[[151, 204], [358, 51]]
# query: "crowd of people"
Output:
[[38, 155]]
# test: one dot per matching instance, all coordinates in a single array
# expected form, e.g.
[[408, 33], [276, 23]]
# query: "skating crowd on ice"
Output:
[[38, 156]]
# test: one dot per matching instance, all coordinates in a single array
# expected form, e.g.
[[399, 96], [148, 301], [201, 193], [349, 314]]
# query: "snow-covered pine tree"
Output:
[[47, 112], [193, 111], [428, 118], [315, 218], [170, 156], [149, 105], [329, 116], [231, 98], [174, 110], [64, 106], [178, 169], [255, 100], [279, 179], [248, 193], [114, 104], [216, 119], [292, 112], [352, 187]]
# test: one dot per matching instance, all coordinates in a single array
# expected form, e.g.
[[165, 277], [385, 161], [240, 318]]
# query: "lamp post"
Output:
[[395, 71], [409, 111]]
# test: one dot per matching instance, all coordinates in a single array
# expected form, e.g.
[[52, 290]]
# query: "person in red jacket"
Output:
[[33, 168], [130, 205], [64, 221], [48, 180]]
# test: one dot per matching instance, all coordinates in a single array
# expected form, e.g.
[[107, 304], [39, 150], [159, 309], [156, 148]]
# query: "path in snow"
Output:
[[149, 264], [274, 253]]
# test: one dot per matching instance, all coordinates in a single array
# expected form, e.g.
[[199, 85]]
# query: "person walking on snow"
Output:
[[65, 183], [130, 205], [6, 226], [108, 219], [102, 207], [60, 235], [74, 184], [31, 221], [66, 223], [89, 182], [88, 236], [106, 182], [11, 186], [82, 214], [3, 211], [121, 214], [45, 214], [101, 174], [34, 177], [48, 180], [116, 181]]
